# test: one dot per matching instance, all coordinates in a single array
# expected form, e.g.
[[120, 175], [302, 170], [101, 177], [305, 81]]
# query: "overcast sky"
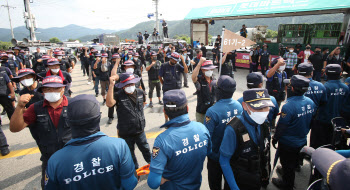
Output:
[[105, 14]]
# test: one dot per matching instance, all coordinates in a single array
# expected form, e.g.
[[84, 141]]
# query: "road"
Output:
[[21, 169]]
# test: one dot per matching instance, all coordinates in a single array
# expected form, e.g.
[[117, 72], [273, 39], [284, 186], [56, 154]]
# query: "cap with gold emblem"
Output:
[[257, 98]]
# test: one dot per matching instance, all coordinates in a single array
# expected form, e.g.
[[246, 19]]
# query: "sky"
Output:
[[105, 14]]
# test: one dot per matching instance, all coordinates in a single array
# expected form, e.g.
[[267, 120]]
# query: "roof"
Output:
[[269, 8]]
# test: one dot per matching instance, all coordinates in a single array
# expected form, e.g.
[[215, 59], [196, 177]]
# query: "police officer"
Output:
[[227, 67], [3, 69], [264, 59], [102, 161], [48, 116], [170, 72], [333, 167], [205, 90], [241, 150], [337, 93], [179, 152], [275, 77], [130, 101], [216, 119], [6, 95], [64, 66], [255, 58], [255, 80], [292, 129], [40, 64], [153, 68], [53, 66], [11, 63]]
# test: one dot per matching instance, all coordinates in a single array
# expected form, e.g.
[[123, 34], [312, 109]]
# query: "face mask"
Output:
[[258, 117], [52, 96], [129, 56], [135, 58], [318, 52], [27, 82], [291, 51], [308, 47], [10, 55], [55, 70], [130, 70], [59, 57], [281, 68], [327, 51], [209, 73], [130, 89]]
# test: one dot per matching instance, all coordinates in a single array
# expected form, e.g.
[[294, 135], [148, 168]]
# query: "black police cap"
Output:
[[305, 68], [257, 98], [298, 81], [255, 78], [333, 69], [174, 98], [226, 83]]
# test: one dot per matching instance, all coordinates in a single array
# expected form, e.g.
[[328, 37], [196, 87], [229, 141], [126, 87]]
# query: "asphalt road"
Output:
[[21, 169]]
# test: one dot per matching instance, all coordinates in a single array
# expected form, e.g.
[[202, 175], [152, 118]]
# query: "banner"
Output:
[[232, 41], [242, 59]]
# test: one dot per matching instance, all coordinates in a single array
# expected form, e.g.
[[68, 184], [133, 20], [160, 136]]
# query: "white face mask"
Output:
[[27, 82], [209, 73], [130, 56], [291, 51], [59, 57], [10, 55], [130, 70], [135, 58], [258, 117], [130, 89], [55, 70], [281, 68], [52, 96]]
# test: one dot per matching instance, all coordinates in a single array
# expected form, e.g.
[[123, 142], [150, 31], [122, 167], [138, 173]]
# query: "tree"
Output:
[[73, 40], [183, 37], [5, 45], [271, 33], [209, 38], [54, 40]]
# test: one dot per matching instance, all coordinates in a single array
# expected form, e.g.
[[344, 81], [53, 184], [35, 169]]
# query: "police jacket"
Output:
[[4, 80], [255, 56], [12, 66], [205, 95], [153, 72], [248, 160], [131, 119], [50, 138], [275, 85]]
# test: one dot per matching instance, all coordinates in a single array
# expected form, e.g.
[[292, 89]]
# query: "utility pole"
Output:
[[31, 20], [157, 20], [8, 10]]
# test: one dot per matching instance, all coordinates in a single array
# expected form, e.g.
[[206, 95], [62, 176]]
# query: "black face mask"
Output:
[[172, 64], [317, 52], [308, 47]]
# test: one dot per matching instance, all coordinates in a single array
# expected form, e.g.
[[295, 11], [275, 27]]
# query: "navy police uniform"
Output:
[[91, 160], [216, 119], [179, 152], [241, 152], [337, 94], [292, 129]]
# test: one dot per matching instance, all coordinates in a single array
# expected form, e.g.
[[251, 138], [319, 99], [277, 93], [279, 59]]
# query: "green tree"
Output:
[[54, 40], [209, 38], [183, 37], [271, 33], [5, 45], [73, 40]]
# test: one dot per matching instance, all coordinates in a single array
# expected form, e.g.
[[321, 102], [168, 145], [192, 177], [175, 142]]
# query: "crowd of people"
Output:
[[234, 135]]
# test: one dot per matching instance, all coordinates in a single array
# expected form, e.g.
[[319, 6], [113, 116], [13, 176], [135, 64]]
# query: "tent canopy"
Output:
[[269, 8]]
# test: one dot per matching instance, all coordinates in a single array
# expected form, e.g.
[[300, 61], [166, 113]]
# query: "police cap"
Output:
[[257, 98], [255, 78], [305, 68], [333, 167], [298, 81], [80, 116], [226, 83], [174, 98], [333, 69]]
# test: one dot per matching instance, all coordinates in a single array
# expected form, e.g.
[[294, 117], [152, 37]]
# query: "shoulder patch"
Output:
[[207, 119], [155, 152], [46, 178], [283, 115]]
